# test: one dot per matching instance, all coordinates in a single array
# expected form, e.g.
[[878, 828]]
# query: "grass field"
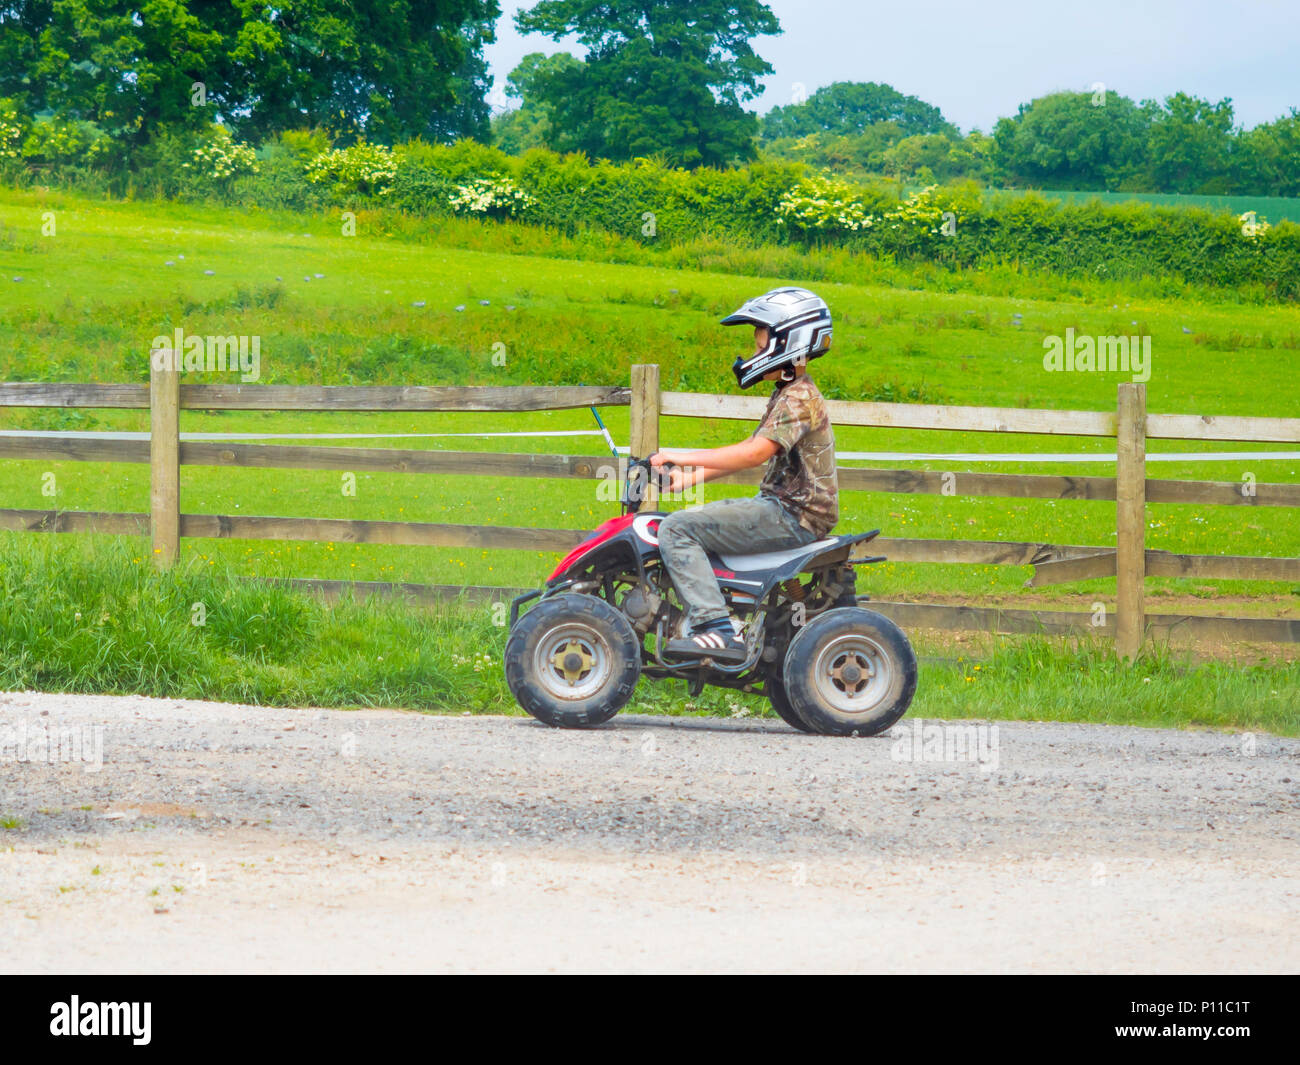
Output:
[[91, 297]]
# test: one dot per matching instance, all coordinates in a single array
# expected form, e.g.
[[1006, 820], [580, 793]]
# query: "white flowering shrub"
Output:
[[490, 197], [11, 132], [821, 206], [918, 218], [220, 157], [363, 168]]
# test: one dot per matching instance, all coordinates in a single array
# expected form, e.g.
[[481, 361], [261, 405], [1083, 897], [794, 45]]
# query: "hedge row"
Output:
[[779, 203]]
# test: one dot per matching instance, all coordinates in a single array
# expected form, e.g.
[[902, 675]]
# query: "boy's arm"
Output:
[[682, 477], [708, 464]]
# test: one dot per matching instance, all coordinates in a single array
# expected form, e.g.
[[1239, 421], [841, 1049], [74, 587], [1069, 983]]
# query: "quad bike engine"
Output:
[[641, 605]]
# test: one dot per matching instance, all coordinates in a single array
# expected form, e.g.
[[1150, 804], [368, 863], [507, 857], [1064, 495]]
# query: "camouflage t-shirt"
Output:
[[801, 476]]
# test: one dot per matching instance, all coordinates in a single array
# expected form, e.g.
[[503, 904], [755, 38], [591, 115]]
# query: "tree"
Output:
[[849, 107], [661, 77], [530, 124], [1267, 162], [469, 115], [128, 67], [861, 154], [1190, 145], [383, 69], [1073, 140], [941, 158], [386, 70]]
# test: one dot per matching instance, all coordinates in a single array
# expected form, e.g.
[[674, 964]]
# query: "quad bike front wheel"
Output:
[[573, 661], [849, 672], [776, 695]]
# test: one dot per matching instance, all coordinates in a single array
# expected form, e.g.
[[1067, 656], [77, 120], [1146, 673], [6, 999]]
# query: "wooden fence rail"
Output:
[[995, 419], [318, 397], [1129, 561]]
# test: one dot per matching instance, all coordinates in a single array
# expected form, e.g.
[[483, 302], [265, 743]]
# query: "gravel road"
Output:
[[221, 838]]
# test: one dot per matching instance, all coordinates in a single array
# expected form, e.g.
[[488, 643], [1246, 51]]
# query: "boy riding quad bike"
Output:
[[713, 594]]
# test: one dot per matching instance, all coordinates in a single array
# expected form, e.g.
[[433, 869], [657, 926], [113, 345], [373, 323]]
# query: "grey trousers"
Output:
[[734, 526]]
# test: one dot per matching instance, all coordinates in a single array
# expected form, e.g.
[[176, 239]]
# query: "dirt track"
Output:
[[305, 840]]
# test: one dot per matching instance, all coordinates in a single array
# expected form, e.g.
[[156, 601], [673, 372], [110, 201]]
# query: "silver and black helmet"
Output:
[[799, 329]]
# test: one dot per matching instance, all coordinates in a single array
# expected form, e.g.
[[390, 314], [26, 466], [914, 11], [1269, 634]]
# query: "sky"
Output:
[[978, 61]]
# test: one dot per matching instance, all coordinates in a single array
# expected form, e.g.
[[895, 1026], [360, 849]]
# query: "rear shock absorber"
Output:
[[793, 590]]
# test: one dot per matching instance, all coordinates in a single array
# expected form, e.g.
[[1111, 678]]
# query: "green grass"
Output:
[[93, 296], [93, 618]]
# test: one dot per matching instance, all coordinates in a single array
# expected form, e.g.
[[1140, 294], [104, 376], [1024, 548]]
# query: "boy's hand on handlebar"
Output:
[[670, 476], [674, 479]]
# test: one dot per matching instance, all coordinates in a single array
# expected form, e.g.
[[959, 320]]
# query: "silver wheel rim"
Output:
[[853, 674], [572, 662]]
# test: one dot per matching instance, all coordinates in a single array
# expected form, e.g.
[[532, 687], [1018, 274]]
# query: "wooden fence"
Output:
[[1130, 427]]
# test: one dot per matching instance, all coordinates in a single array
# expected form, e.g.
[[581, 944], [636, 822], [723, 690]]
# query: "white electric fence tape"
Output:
[[83, 434], [874, 456]]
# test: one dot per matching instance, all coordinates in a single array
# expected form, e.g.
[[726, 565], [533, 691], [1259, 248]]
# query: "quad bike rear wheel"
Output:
[[573, 661], [850, 672]]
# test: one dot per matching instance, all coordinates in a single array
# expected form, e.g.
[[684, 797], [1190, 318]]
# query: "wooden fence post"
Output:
[[1130, 519], [164, 457], [644, 419]]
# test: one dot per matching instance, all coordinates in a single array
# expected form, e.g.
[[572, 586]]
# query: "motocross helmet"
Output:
[[799, 329]]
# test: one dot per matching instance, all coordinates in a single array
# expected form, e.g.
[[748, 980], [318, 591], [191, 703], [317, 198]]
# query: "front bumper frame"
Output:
[[519, 601]]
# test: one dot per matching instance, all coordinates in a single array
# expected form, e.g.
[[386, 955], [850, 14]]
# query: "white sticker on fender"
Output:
[[641, 525]]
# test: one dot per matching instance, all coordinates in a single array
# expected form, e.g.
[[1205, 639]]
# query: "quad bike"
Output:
[[604, 615]]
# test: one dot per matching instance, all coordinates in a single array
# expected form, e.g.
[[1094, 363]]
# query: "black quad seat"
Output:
[[797, 559]]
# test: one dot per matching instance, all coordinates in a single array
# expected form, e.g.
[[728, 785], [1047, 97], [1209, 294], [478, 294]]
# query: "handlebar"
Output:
[[639, 475]]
